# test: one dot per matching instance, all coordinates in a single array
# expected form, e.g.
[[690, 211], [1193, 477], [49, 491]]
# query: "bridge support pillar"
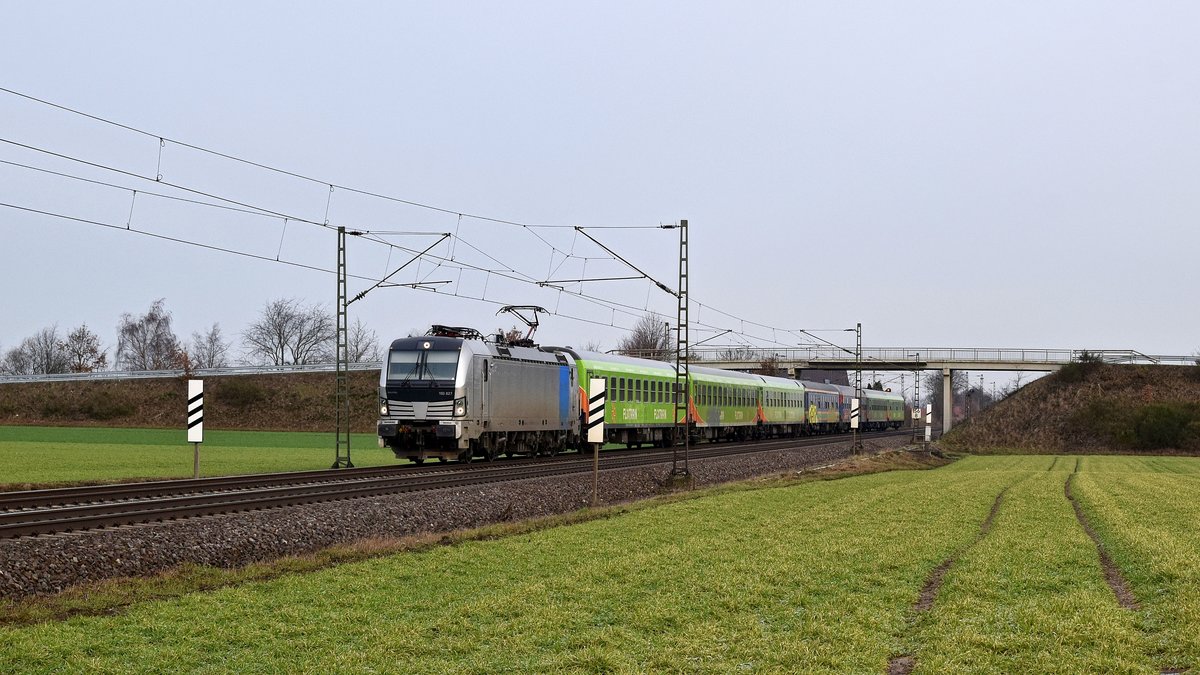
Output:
[[947, 400]]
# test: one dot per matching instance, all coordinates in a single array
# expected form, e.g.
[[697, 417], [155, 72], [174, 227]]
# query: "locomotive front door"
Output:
[[483, 391]]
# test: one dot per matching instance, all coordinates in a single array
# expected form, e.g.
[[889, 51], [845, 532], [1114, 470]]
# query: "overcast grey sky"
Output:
[[949, 174]]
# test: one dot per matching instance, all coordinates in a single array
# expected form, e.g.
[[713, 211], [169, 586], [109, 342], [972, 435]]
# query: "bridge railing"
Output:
[[198, 372], [904, 356]]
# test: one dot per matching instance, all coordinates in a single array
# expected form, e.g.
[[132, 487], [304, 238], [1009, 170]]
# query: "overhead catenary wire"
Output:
[[246, 254], [607, 304], [266, 167], [277, 214], [331, 185]]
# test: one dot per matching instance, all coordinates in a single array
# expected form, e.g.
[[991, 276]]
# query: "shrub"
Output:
[[1079, 369], [55, 407], [103, 405], [240, 394], [1165, 425], [1103, 420]]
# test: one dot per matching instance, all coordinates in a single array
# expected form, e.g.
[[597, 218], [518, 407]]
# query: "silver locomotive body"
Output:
[[455, 398]]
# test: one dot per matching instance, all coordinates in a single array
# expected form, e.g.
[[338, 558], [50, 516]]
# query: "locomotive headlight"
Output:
[[383, 407], [460, 407]]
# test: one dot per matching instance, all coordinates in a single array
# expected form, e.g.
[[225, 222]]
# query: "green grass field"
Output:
[[818, 576], [54, 455]]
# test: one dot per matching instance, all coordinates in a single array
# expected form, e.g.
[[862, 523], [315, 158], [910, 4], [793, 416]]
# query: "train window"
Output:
[[621, 389]]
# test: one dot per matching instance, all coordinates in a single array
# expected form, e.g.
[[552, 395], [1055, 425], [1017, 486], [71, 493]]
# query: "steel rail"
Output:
[[153, 508]]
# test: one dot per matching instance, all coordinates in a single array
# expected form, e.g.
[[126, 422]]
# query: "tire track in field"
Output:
[[904, 663], [1112, 574]]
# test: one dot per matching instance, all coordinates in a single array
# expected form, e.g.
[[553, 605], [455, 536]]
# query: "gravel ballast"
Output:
[[52, 563]]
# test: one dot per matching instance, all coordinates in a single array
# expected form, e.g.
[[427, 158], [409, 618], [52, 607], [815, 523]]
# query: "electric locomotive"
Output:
[[452, 395]]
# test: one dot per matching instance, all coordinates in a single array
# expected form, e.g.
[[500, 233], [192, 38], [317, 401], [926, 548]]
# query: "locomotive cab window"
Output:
[[424, 364]]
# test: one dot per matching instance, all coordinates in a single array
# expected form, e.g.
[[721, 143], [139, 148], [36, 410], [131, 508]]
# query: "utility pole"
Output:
[[981, 392], [682, 413], [916, 393], [342, 398]]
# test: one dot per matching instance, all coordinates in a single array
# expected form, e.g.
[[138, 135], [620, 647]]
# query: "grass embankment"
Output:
[[275, 402], [1092, 407], [47, 456], [816, 577]]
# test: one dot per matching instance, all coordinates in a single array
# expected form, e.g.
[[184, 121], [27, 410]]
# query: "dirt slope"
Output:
[[280, 402], [1092, 408]]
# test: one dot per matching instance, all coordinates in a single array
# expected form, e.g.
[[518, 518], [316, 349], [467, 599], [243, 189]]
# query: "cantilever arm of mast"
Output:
[[631, 265], [415, 258]]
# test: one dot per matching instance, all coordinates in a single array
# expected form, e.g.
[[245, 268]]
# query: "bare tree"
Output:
[[288, 332], [932, 383], [593, 346], [84, 352], [147, 342], [16, 362], [210, 349], [739, 354], [769, 365], [39, 354], [362, 344], [649, 339]]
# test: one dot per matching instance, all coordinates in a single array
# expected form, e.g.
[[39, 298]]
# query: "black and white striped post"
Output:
[[195, 422], [928, 423], [854, 414], [595, 430]]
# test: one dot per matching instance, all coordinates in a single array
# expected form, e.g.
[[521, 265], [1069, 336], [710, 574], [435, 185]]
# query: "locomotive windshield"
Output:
[[422, 364]]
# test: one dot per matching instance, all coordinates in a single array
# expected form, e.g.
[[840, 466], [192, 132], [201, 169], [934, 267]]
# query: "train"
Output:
[[454, 394]]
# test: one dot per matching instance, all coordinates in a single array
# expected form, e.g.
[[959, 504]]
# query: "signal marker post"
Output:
[[595, 430], [195, 424], [928, 422]]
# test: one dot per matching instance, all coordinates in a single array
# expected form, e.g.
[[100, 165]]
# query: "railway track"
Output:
[[72, 509]]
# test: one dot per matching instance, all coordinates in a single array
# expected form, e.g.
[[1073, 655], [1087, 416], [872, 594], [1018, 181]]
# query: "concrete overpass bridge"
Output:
[[946, 359]]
